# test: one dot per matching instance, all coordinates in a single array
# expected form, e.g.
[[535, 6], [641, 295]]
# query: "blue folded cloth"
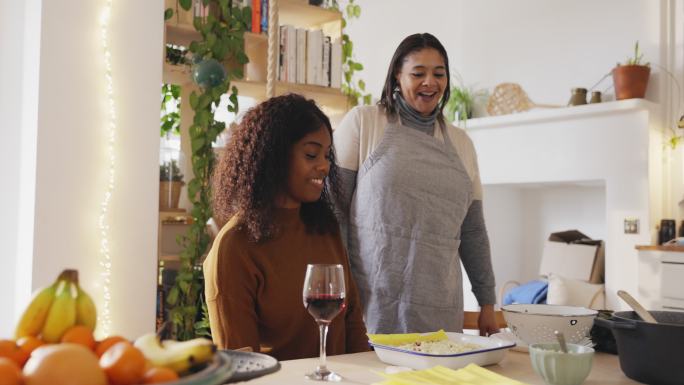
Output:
[[530, 292]]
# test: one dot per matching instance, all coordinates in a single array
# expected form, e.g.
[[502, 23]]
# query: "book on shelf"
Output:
[[256, 16], [291, 53], [336, 64], [314, 56], [324, 77], [264, 15], [282, 54], [301, 56]]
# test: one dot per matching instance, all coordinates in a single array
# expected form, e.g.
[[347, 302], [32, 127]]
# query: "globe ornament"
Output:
[[209, 73]]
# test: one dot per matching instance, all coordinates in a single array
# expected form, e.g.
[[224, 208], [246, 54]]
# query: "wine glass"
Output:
[[323, 295]]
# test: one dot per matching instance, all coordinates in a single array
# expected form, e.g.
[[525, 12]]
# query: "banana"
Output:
[[34, 316], [62, 313], [177, 356], [86, 313]]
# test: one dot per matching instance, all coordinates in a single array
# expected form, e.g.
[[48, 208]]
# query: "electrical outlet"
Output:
[[631, 226]]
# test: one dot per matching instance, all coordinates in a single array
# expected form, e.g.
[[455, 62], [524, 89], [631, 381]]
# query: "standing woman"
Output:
[[271, 185], [411, 202]]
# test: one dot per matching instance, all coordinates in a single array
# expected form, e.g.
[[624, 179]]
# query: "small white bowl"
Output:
[[558, 368]]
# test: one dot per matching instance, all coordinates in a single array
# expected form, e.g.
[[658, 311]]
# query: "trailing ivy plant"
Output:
[[170, 107], [355, 91], [223, 40]]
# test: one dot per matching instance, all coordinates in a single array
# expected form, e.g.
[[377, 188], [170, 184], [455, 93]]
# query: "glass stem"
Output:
[[323, 328]]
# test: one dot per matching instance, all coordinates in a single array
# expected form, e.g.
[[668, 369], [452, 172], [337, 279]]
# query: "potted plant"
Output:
[[631, 79], [170, 184], [461, 102]]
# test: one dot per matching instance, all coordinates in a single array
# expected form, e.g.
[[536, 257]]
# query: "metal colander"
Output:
[[536, 323]]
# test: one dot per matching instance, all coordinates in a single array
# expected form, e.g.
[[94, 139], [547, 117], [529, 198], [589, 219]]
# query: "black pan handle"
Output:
[[611, 324]]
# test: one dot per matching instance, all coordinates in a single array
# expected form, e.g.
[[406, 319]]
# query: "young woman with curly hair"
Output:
[[271, 187]]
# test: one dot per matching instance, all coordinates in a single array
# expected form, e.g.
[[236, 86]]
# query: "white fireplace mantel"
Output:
[[618, 145]]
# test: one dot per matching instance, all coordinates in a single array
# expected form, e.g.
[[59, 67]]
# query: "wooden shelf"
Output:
[[330, 97], [299, 13], [661, 248]]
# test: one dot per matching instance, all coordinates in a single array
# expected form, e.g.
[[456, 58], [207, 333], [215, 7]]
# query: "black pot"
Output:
[[649, 353]]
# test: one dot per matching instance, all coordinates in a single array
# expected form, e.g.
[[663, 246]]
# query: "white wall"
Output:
[[71, 164], [546, 46], [11, 38]]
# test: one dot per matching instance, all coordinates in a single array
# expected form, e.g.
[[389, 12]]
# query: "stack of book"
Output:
[[309, 57], [259, 15]]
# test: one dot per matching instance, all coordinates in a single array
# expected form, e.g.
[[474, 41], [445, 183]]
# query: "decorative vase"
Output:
[[169, 195], [630, 81], [208, 73]]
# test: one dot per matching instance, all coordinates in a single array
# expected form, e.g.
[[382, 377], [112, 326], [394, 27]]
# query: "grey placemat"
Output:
[[249, 365]]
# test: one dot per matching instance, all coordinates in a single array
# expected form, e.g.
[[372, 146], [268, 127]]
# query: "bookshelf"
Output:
[[179, 31]]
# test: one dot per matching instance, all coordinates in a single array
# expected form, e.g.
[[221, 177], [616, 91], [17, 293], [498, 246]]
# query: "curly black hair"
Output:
[[254, 168]]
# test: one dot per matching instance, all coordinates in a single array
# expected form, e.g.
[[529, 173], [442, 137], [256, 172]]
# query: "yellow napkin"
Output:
[[403, 339], [439, 375]]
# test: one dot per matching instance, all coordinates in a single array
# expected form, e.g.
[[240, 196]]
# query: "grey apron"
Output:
[[412, 195]]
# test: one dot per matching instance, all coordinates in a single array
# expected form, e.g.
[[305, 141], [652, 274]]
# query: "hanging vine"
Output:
[[222, 41], [355, 90]]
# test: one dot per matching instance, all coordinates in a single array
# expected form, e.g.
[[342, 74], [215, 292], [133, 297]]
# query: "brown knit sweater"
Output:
[[254, 291]]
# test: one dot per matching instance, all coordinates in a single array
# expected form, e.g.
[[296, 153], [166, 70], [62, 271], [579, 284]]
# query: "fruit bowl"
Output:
[[217, 372]]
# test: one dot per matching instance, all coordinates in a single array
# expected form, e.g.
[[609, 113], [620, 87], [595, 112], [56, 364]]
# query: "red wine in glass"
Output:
[[323, 296], [324, 307]]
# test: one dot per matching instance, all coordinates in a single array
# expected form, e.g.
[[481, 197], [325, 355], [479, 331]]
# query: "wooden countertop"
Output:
[[358, 368], [660, 248]]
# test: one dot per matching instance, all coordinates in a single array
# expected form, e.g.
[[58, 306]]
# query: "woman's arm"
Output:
[[230, 287], [346, 141]]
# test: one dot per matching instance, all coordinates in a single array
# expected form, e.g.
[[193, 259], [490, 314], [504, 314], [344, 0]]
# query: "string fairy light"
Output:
[[110, 129]]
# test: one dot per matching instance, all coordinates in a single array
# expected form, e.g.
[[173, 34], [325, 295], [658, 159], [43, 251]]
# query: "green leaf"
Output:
[[197, 144], [183, 285], [185, 4], [193, 100], [168, 13], [357, 10], [362, 85], [172, 298], [367, 99], [211, 39], [195, 131], [357, 66], [242, 57], [193, 187]]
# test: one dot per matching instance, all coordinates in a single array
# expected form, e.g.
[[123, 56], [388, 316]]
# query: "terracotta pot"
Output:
[[169, 194], [630, 81]]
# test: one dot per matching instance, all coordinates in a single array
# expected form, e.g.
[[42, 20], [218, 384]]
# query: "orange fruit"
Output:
[[158, 375], [10, 373], [61, 364], [29, 343], [81, 335], [107, 343], [9, 349], [124, 364]]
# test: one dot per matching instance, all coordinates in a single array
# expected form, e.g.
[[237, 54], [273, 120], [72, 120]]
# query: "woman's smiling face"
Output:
[[422, 80], [309, 165]]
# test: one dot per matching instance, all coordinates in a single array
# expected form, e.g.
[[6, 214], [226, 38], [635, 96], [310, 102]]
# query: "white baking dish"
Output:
[[492, 351]]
